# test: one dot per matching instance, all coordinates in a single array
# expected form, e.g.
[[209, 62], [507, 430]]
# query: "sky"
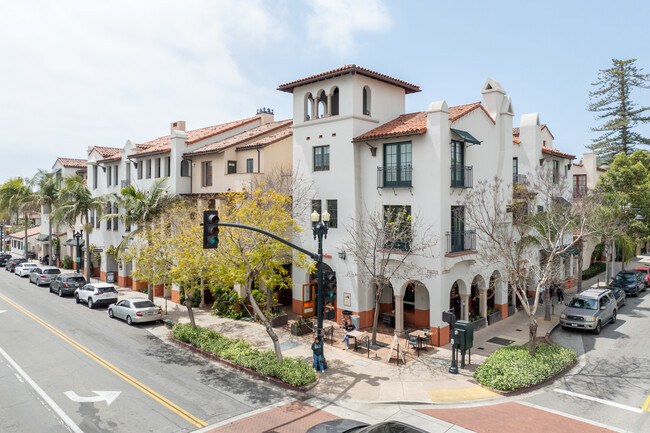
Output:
[[75, 74]]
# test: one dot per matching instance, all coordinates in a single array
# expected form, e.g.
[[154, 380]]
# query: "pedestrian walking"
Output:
[[541, 295], [560, 293], [317, 349], [551, 294]]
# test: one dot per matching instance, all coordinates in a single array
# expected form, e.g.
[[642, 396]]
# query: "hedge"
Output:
[[512, 368], [593, 270], [292, 371]]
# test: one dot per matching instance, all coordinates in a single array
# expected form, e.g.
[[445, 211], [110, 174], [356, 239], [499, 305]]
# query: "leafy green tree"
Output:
[[612, 101], [17, 195], [47, 195], [76, 202]]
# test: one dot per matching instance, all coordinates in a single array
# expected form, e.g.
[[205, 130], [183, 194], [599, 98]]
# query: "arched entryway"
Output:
[[491, 292], [477, 291], [416, 305], [454, 300]]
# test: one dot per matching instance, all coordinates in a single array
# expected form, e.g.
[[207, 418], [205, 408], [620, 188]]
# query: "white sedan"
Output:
[[23, 269], [135, 310]]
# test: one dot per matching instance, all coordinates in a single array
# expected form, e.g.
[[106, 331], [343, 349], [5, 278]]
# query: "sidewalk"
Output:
[[360, 380]]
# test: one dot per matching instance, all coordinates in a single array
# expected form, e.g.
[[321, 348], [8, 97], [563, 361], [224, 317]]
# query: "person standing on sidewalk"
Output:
[[560, 293], [317, 349]]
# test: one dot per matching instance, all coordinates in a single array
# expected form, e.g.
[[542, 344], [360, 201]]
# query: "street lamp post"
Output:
[[2, 237], [77, 236], [320, 224]]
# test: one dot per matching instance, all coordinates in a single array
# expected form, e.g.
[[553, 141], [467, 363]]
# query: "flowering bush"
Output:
[[292, 371], [512, 367]]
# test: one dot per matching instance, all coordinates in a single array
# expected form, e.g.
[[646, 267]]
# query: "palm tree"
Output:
[[77, 202], [47, 195], [141, 208], [17, 195]]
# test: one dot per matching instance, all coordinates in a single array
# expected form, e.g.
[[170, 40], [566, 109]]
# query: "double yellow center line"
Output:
[[148, 391], [646, 404]]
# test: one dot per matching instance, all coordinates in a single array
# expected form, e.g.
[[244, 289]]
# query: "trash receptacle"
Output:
[[356, 320]]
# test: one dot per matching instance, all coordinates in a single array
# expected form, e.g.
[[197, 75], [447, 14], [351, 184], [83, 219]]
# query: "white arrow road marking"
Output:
[[108, 396], [599, 400], [66, 419], [3, 311]]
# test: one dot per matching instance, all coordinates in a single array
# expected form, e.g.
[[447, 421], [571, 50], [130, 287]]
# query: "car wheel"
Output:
[[76, 299], [614, 317], [598, 328], [90, 303], [129, 321], [60, 293], [110, 313]]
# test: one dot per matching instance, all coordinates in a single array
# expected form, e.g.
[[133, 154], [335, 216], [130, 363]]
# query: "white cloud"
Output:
[[335, 23]]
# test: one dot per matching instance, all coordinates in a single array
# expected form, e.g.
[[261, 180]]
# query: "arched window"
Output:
[[334, 111], [366, 101], [309, 106], [409, 297], [321, 109], [185, 168]]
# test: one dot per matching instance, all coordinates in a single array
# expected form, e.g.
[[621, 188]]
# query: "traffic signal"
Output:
[[210, 229]]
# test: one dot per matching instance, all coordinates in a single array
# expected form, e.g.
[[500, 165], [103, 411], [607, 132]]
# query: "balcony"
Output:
[[461, 241], [462, 176], [395, 176]]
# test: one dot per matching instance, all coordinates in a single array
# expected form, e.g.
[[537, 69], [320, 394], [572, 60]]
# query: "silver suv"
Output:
[[591, 309], [96, 294]]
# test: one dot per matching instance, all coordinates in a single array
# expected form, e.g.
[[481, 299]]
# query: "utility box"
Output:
[[464, 340]]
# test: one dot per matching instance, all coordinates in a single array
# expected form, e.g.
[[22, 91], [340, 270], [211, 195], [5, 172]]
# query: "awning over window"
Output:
[[466, 136], [571, 251], [73, 242], [43, 238]]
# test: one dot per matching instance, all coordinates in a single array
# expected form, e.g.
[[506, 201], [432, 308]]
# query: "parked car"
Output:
[[352, 426], [619, 295], [135, 310], [3, 258], [11, 264], [66, 284], [630, 281], [591, 309], [43, 274], [645, 272], [96, 294], [23, 269]]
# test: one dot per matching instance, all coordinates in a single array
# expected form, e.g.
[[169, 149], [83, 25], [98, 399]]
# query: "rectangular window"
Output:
[[457, 164], [140, 170], [94, 177], [397, 227], [321, 158], [109, 220], [115, 220], [97, 222], [316, 206], [128, 173], [579, 185], [185, 168], [148, 169], [206, 173], [515, 167], [397, 164], [249, 165], [157, 168], [109, 176], [332, 209], [556, 171], [457, 229], [232, 167], [168, 166], [116, 176]]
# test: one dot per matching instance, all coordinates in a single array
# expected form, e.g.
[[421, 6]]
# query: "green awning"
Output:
[[73, 242], [43, 238], [571, 251], [466, 136]]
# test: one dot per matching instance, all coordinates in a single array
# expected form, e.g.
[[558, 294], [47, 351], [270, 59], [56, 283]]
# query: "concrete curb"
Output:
[[245, 369]]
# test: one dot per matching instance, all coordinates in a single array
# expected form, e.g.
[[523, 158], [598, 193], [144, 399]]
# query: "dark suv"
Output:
[[12, 263], [630, 281], [66, 284], [3, 258]]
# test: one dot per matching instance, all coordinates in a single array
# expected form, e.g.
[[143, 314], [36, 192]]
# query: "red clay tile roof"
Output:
[[416, 123], [577, 165], [107, 152], [554, 152], [163, 144], [273, 138], [30, 232], [516, 140], [601, 169], [349, 69], [71, 162], [252, 136]]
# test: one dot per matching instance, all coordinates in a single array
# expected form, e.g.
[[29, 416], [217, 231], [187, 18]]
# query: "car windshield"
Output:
[[51, 271], [75, 279], [584, 303], [625, 278], [105, 289], [143, 304], [29, 265]]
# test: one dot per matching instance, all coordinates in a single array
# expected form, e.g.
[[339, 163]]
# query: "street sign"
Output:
[[98, 250]]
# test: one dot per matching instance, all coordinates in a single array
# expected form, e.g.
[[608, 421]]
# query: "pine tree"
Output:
[[613, 103]]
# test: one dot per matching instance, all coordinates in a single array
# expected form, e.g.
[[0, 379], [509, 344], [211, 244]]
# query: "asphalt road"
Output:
[[55, 355], [611, 384]]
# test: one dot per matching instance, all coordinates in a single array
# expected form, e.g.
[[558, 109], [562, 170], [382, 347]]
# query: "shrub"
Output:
[[66, 263], [228, 303], [512, 367], [292, 371], [593, 270], [196, 298]]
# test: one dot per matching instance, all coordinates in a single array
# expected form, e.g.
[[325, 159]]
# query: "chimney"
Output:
[[265, 115], [179, 125], [493, 95]]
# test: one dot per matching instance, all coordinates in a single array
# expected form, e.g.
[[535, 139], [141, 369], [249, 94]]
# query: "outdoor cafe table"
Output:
[[354, 334], [421, 336]]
